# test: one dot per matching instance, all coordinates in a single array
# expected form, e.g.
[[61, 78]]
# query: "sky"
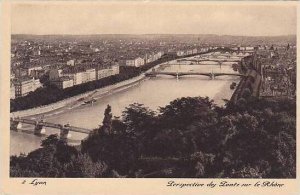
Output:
[[153, 18]]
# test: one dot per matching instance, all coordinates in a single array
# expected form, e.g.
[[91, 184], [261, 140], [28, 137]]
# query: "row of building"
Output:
[[138, 61], [190, 51], [71, 77]]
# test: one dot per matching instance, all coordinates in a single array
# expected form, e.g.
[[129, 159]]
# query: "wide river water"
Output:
[[152, 92]]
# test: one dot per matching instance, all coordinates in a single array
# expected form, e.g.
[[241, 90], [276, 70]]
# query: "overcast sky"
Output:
[[153, 18]]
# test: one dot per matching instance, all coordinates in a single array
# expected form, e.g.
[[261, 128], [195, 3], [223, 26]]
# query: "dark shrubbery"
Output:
[[190, 137]]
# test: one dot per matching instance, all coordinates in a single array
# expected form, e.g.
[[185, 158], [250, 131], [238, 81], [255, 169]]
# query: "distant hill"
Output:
[[206, 38]]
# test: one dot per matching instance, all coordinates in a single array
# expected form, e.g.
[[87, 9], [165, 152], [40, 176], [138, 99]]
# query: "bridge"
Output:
[[218, 61], [39, 127], [179, 74]]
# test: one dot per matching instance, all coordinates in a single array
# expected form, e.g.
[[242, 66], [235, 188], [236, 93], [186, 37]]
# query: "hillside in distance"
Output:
[[210, 39]]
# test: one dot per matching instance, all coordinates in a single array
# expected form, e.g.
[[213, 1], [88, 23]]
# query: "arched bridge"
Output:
[[218, 61], [39, 127], [179, 74]]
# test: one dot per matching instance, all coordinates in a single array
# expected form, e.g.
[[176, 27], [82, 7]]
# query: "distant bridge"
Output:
[[179, 74], [39, 127], [218, 61]]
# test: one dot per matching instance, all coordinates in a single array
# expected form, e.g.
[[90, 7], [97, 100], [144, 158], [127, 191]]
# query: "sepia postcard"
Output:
[[149, 97]]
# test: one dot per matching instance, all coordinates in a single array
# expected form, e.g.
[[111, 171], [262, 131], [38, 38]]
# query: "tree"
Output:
[[190, 137], [137, 118], [47, 161], [246, 93], [82, 166], [241, 104], [235, 67], [106, 127], [118, 150], [246, 172], [182, 112]]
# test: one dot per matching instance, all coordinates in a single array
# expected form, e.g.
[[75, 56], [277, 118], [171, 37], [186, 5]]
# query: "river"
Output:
[[152, 92]]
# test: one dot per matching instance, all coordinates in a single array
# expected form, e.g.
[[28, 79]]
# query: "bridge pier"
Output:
[[19, 126], [64, 132], [39, 129], [220, 64], [14, 125]]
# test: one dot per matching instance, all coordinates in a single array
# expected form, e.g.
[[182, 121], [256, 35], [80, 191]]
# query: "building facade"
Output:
[[25, 86], [12, 91], [64, 82]]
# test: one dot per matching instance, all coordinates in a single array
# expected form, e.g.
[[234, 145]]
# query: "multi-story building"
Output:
[[71, 63], [204, 49], [63, 82], [33, 68], [63, 79], [130, 62], [152, 57], [26, 85], [160, 54], [149, 58], [89, 75], [21, 72], [189, 52], [137, 62], [115, 69], [37, 73], [106, 72], [180, 53], [77, 78], [12, 91]]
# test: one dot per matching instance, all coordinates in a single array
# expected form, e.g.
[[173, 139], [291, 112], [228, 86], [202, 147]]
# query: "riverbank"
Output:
[[226, 92], [151, 92], [51, 95], [76, 100]]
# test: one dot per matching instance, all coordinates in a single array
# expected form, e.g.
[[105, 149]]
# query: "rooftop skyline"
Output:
[[153, 18]]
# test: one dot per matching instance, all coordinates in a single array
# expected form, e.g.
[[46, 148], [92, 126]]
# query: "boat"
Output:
[[80, 99], [233, 85], [90, 101]]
